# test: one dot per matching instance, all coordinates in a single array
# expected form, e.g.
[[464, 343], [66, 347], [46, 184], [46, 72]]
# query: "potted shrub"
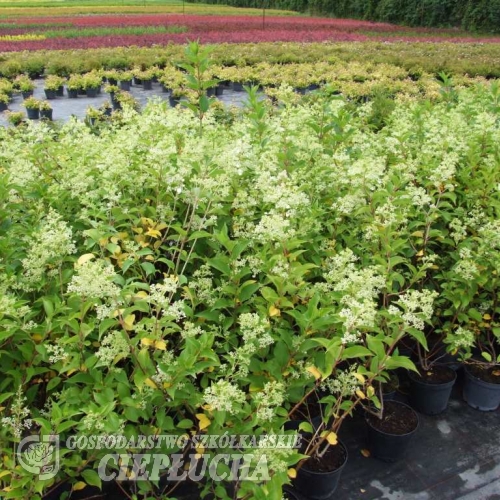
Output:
[[125, 78], [45, 110], [6, 87], [94, 115], [53, 85], [32, 106], [479, 350], [126, 99], [15, 118], [92, 84], [391, 430], [25, 85], [112, 76], [146, 78], [74, 85], [4, 101], [113, 91]]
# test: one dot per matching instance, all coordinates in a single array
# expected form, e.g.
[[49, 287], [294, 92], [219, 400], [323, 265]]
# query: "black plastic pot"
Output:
[[33, 114], [219, 90], [112, 81], [27, 94], [3, 106], [389, 447], [125, 85], [60, 91], [137, 81], [237, 87], [319, 485], [427, 398], [480, 395], [147, 84], [82, 92], [290, 494], [46, 113], [174, 101], [50, 94], [72, 93], [92, 92]]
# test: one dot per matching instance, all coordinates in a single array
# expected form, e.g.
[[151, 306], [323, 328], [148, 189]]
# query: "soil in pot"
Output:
[[318, 477], [389, 437], [430, 390], [482, 387]]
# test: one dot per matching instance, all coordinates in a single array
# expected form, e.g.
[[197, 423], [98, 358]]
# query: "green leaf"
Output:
[[487, 356], [356, 351], [185, 424], [92, 478], [149, 268]]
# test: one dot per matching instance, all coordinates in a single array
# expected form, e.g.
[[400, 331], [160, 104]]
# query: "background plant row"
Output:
[[456, 59], [480, 15]]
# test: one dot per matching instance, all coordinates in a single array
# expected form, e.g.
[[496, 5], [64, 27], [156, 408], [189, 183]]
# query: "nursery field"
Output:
[[92, 31]]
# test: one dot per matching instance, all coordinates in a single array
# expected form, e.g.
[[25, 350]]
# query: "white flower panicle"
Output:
[[224, 396], [94, 280]]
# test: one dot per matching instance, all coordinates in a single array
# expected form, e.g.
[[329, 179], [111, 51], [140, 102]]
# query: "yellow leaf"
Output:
[[5, 473], [84, 258], [79, 486], [274, 311], [204, 421], [420, 254], [332, 438], [314, 371], [37, 337], [147, 342], [360, 378], [150, 383], [292, 473], [365, 453], [141, 295], [167, 385], [154, 233], [128, 322], [370, 391], [486, 317], [360, 394], [161, 345]]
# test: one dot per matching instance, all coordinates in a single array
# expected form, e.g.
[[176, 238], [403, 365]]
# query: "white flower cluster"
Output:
[[359, 286], [113, 347], [343, 384], [18, 421], [202, 284], [466, 268], [461, 338], [48, 246], [56, 353], [94, 280], [418, 307], [224, 396], [271, 397], [160, 294]]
